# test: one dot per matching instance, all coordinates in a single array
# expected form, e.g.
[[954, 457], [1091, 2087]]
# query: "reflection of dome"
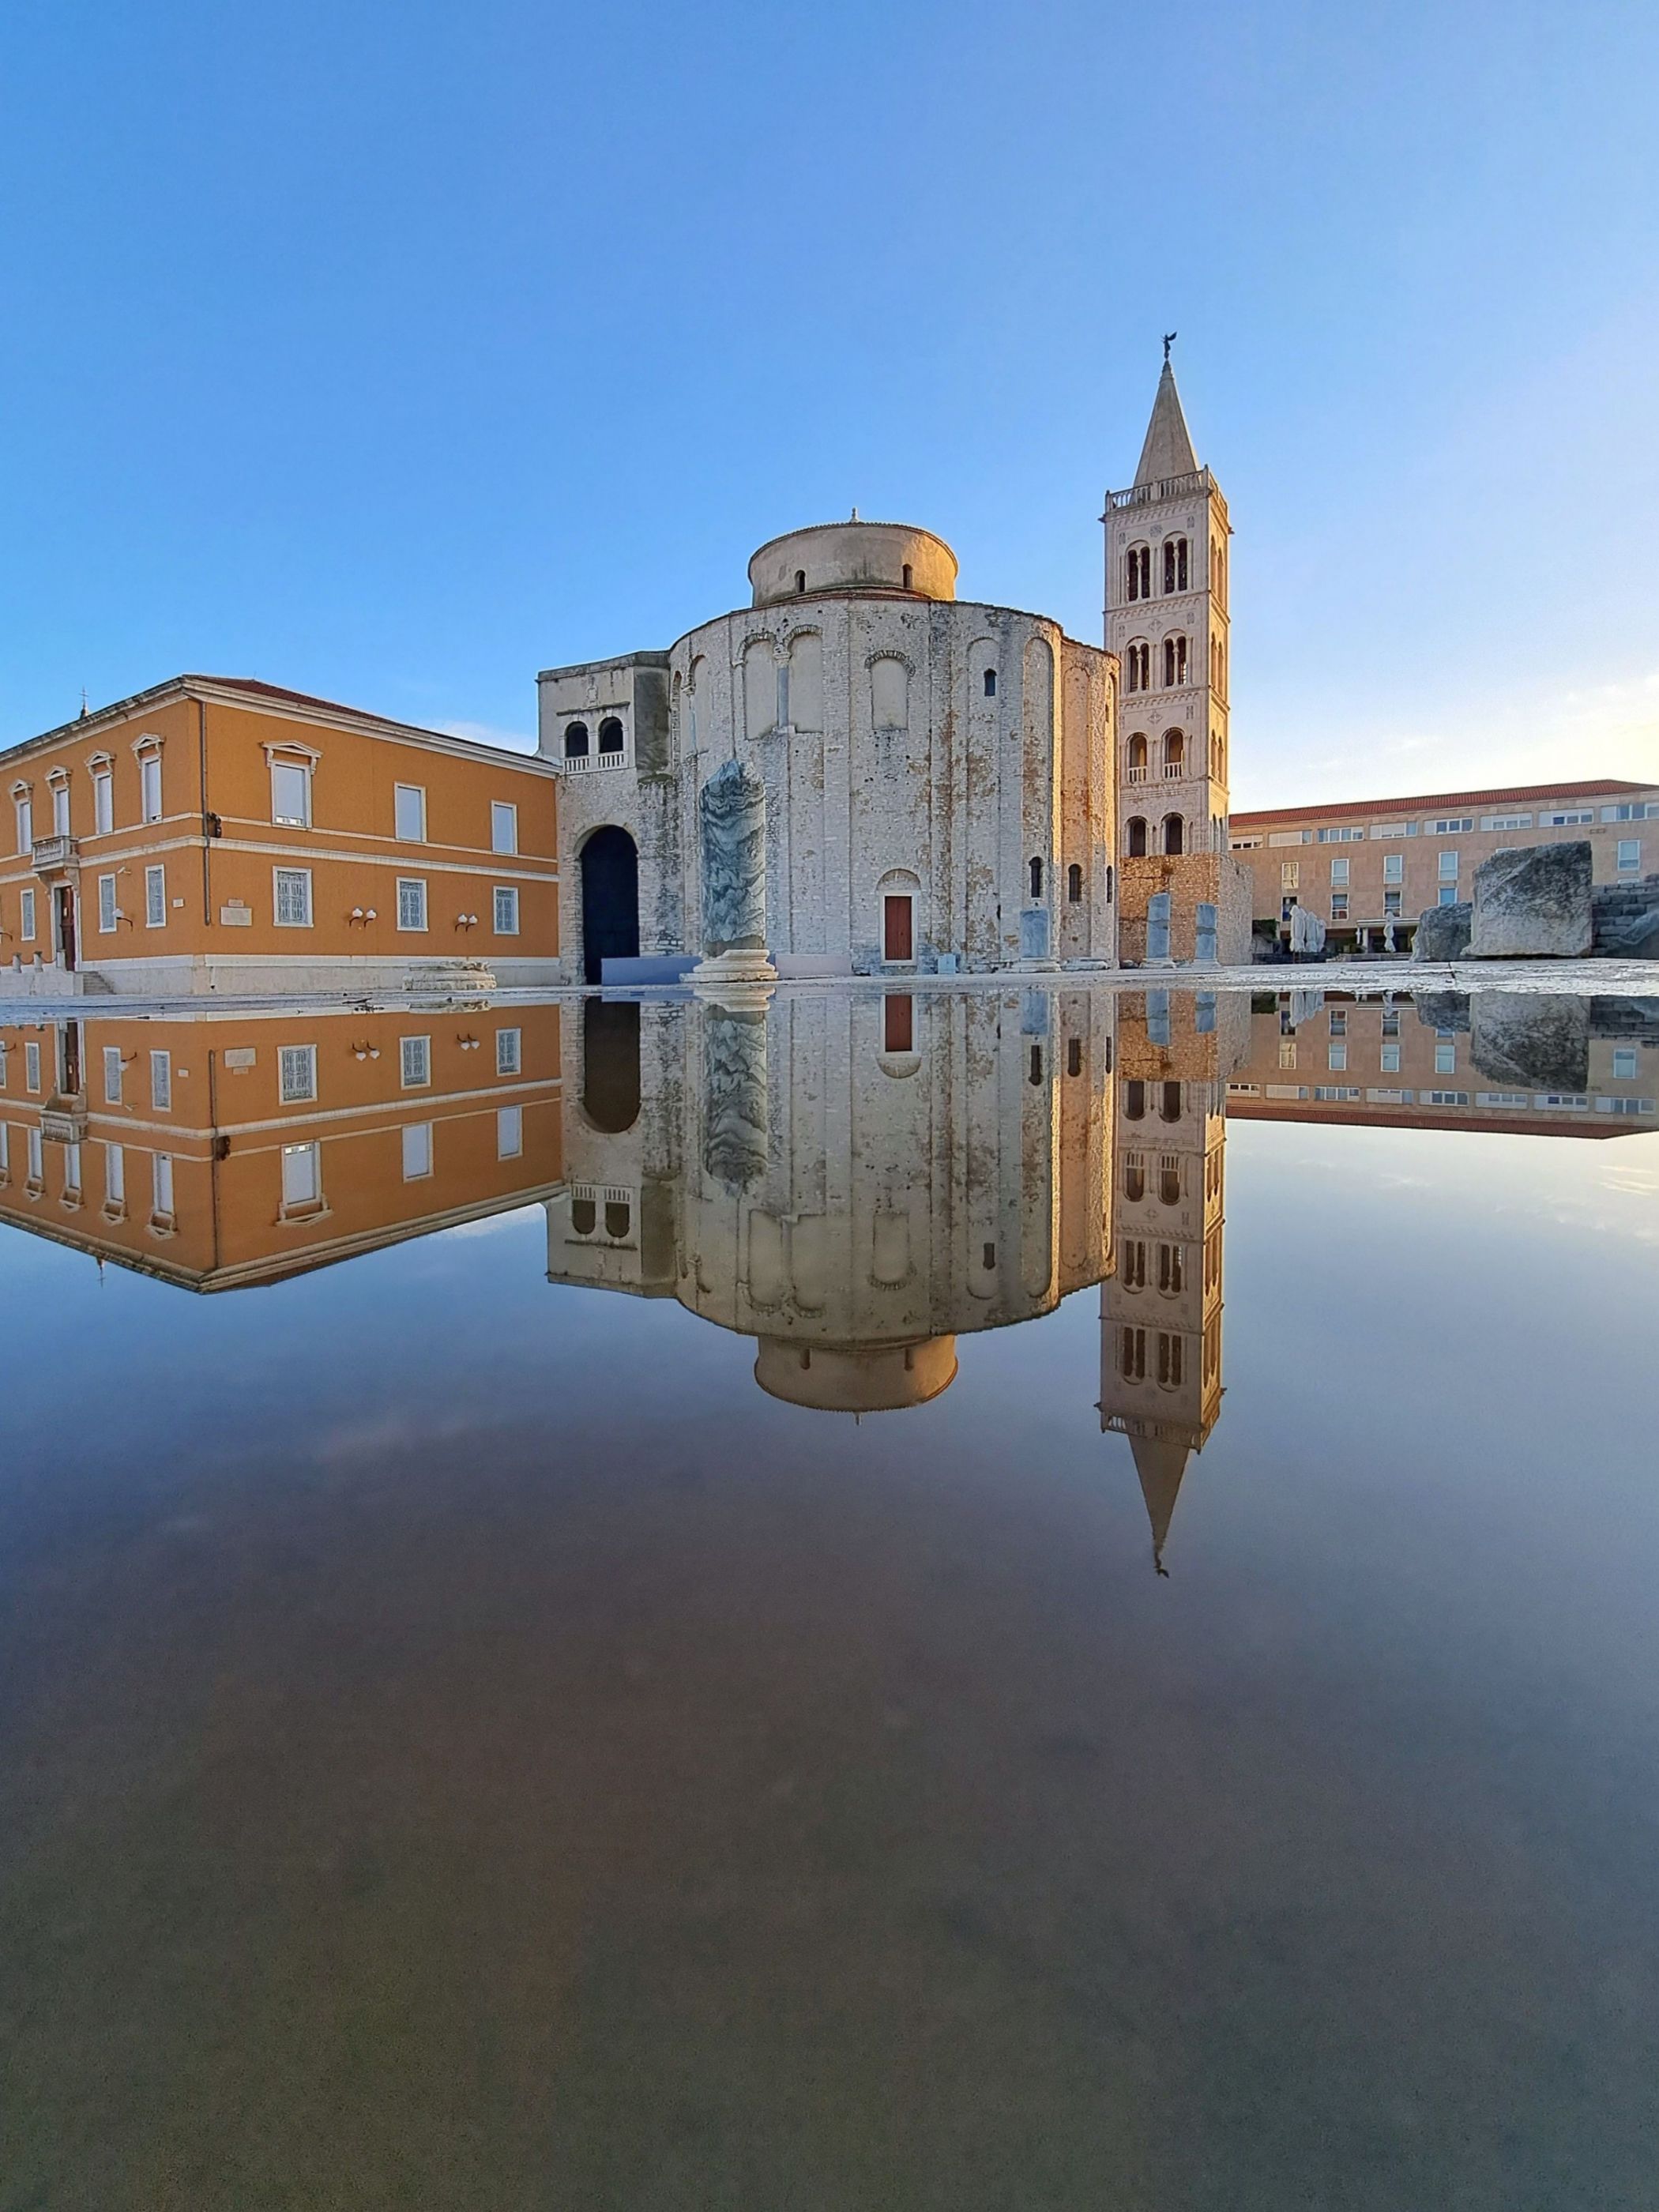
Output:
[[854, 556], [843, 1378]]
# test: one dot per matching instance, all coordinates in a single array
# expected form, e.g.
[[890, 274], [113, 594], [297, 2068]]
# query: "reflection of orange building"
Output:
[[216, 834], [216, 1150]]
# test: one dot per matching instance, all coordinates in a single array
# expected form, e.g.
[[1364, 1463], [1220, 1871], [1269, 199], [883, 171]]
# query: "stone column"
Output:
[[731, 821], [1157, 929]]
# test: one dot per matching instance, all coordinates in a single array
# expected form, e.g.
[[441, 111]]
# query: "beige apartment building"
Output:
[[1371, 866], [1382, 1061]]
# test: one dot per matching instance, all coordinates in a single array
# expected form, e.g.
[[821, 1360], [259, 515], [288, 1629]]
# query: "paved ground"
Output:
[[1597, 979]]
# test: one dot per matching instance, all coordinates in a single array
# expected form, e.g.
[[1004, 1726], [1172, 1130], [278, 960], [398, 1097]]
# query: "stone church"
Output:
[[927, 784]]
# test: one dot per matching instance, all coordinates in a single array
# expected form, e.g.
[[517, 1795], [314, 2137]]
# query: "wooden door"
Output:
[[897, 934]]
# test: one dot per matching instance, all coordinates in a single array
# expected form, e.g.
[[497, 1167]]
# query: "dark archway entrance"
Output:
[[611, 900], [610, 1064]]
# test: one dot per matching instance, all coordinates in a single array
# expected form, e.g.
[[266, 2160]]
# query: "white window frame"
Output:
[[156, 896], [1449, 864], [301, 876], [422, 1080], [1394, 868], [103, 801], [1341, 869], [60, 807], [109, 914], [1624, 1063], [37, 1164], [1632, 864], [24, 804], [1389, 1060], [32, 1068], [27, 916], [113, 1065], [400, 792], [1445, 1060], [416, 885], [510, 1133], [500, 808], [510, 893], [308, 1201], [509, 1052], [417, 1154], [161, 1082], [302, 769], [115, 1179], [297, 1074], [150, 803], [162, 1196]]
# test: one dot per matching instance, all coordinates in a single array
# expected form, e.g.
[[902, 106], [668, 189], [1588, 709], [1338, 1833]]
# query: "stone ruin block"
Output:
[[1531, 1039], [1443, 931], [1533, 903]]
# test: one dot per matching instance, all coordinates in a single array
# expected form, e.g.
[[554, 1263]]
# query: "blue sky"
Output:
[[394, 352]]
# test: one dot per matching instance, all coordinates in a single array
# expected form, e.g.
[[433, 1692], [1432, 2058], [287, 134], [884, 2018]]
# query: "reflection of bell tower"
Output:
[[1166, 620], [1160, 1313]]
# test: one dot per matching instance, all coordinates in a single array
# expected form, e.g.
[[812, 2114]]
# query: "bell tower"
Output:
[[1167, 562]]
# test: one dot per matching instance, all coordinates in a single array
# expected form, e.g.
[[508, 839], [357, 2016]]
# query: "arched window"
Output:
[[1134, 1176], [1171, 1108], [1137, 844], [611, 735], [618, 1217], [1037, 1063], [1169, 1179], [584, 1217], [1074, 884], [1132, 1270], [1137, 758], [1174, 753], [906, 575], [1074, 1055], [1140, 572], [990, 683], [1139, 665], [1174, 659], [1134, 1102], [1131, 1354], [800, 580], [1175, 564], [1111, 877], [1172, 1361], [1171, 1271], [575, 741], [1174, 834], [1036, 878]]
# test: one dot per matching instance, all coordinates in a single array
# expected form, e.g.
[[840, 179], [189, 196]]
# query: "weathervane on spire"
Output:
[[1169, 338]]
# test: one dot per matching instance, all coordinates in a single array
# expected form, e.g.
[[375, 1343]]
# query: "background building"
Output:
[[217, 834], [1365, 863]]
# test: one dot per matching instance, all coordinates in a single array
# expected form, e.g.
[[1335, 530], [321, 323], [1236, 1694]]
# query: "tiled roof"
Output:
[[1435, 801]]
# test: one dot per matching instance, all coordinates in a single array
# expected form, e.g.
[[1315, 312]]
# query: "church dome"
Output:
[[854, 556], [856, 1378]]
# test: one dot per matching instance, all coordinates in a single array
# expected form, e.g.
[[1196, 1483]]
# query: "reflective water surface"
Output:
[[976, 1598]]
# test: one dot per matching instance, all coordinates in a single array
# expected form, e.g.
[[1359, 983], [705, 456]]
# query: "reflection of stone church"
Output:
[[860, 1182], [943, 784]]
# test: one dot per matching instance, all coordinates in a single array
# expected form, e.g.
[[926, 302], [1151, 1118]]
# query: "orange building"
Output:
[[220, 1150], [216, 834]]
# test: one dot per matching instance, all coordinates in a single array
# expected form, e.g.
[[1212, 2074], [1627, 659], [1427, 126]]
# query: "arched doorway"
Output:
[[610, 1064], [611, 900]]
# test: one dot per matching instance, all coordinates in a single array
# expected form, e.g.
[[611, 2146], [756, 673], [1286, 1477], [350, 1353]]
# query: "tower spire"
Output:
[[1168, 451]]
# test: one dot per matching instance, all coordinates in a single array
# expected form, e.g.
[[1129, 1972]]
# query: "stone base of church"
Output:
[[740, 979]]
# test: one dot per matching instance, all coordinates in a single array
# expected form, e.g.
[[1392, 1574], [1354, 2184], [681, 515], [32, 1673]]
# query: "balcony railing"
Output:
[[52, 854], [573, 764], [1148, 494]]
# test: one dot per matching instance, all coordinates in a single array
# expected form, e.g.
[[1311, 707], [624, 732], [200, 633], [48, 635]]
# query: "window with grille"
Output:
[[293, 888], [411, 903], [298, 1073]]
